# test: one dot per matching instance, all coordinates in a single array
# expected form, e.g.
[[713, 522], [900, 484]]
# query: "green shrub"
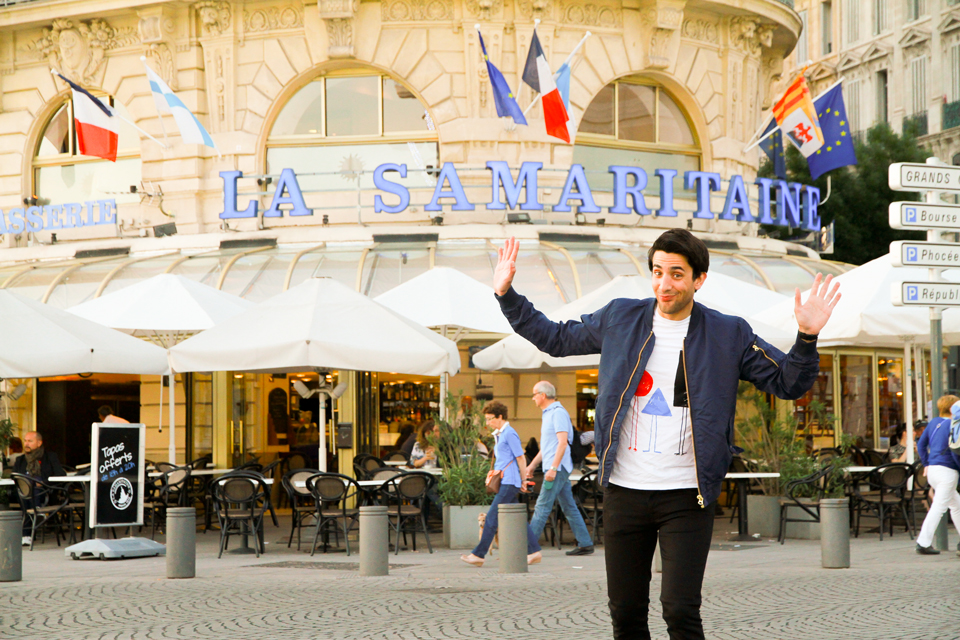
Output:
[[464, 468]]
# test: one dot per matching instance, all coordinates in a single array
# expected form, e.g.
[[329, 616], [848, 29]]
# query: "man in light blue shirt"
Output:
[[556, 432]]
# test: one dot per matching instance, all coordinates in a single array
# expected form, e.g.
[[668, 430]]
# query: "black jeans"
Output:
[[632, 521]]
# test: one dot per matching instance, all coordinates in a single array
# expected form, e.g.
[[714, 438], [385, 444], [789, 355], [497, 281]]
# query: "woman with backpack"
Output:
[[942, 472]]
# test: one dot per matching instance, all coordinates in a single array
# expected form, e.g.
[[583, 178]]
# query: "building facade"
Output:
[[360, 141]]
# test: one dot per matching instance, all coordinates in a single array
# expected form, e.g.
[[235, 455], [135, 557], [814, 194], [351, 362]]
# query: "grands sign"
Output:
[[796, 204]]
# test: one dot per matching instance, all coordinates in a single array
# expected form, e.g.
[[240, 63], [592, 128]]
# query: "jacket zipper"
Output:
[[693, 441], [760, 349], [603, 463]]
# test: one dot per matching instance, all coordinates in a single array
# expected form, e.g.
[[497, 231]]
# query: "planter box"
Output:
[[763, 513], [460, 527]]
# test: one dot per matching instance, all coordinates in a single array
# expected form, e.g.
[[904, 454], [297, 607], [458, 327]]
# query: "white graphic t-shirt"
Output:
[[655, 451]]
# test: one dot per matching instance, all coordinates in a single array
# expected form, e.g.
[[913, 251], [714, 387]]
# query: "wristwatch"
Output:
[[551, 469]]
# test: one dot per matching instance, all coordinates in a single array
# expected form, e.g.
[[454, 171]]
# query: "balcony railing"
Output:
[[951, 115], [916, 124]]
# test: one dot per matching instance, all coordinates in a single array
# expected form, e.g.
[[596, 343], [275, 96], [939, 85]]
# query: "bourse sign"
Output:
[[117, 474]]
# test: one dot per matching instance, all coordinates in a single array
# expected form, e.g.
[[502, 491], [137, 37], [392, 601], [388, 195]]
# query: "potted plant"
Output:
[[772, 443], [462, 486]]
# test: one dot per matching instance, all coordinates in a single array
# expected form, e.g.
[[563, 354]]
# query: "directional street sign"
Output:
[[920, 215], [925, 254], [907, 176], [925, 294]]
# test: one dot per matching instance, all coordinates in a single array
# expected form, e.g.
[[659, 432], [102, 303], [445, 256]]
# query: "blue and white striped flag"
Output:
[[167, 101]]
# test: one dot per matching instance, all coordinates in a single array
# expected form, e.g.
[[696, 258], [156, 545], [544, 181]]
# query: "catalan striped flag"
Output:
[[797, 117]]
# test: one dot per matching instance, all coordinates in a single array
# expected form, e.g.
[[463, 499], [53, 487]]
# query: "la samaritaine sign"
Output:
[[796, 204]]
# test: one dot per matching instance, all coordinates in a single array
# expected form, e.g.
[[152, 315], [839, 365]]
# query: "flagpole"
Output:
[[567, 61], [767, 121]]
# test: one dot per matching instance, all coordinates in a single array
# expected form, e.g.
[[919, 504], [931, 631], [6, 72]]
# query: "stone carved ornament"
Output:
[[214, 16], [483, 9], [533, 9], [404, 10], [663, 22], [591, 15], [749, 35], [77, 49], [702, 30], [270, 18], [338, 16], [161, 59]]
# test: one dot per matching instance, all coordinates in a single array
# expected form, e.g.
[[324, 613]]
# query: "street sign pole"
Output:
[[936, 313]]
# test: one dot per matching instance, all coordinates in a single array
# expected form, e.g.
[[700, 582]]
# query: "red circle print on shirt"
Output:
[[646, 383]]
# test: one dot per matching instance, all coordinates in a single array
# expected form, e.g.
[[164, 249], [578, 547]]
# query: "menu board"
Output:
[[117, 474]]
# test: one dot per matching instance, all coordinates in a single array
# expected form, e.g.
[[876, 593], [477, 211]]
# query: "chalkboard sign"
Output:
[[116, 474]]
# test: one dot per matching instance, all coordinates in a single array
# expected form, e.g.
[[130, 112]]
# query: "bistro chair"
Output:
[[805, 494], [589, 495], [886, 493], [173, 490], [406, 498], [202, 462], [370, 465], [302, 507], [332, 492], [44, 505], [240, 506], [874, 458], [398, 456]]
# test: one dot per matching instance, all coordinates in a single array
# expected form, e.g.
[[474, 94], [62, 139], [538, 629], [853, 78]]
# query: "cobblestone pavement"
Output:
[[758, 590]]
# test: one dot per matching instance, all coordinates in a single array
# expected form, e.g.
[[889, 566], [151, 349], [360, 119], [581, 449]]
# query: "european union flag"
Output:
[[502, 96], [772, 145], [837, 150]]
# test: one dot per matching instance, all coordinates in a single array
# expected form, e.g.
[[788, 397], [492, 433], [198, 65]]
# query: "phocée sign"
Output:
[[796, 204]]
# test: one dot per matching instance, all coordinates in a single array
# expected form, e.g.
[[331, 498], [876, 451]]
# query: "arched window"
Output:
[[61, 174], [635, 122], [349, 122]]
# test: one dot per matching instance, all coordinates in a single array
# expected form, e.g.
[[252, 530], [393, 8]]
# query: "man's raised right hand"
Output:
[[506, 266]]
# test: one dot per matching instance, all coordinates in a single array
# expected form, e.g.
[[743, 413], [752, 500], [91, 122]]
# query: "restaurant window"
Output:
[[856, 398], [636, 123], [61, 174], [889, 394], [809, 425], [347, 123]]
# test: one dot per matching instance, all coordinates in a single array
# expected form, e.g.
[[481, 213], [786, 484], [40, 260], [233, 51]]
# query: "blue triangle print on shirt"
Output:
[[657, 405]]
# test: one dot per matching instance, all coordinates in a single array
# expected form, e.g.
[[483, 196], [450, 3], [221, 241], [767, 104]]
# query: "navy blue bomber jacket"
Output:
[[719, 351]]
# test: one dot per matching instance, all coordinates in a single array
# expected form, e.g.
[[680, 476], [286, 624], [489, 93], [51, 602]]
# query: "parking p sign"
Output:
[[905, 253], [925, 294]]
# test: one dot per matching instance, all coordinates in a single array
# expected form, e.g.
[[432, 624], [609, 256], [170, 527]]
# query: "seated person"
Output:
[[39, 463], [424, 455]]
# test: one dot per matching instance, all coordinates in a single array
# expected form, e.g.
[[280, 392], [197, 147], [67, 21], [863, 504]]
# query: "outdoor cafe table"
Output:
[[742, 480]]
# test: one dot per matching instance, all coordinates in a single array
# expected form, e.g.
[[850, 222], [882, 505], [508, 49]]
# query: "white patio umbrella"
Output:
[[319, 324], [865, 316], [37, 340], [165, 308], [720, 292], [445, 299]]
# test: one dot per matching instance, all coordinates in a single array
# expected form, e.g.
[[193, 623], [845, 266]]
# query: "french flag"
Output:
[[537, 74], [97, 128]]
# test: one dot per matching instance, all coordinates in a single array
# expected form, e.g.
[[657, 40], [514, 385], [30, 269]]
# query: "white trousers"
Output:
[[943, 481]]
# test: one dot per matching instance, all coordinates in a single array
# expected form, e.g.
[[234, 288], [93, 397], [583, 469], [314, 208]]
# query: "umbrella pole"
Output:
[[173, 440], [908, 400], [160, 417], [322, 428], [443, 383]]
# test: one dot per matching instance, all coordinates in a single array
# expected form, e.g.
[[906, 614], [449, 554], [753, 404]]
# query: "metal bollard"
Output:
[[374, 541], [512, 531], [11, 553], [940, 535], [835, 533], [182, 542]]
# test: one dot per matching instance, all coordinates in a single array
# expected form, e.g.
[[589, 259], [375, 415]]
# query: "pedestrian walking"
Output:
[[942, 472], [668, 378], [556, 434], [509, 460]]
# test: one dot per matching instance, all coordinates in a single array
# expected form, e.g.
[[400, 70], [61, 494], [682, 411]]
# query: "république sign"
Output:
[[796, 204]]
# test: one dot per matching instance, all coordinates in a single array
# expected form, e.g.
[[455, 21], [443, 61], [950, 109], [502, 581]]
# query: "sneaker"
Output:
[[581, 551], [534, 558], [927, 551], [27, 541]]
